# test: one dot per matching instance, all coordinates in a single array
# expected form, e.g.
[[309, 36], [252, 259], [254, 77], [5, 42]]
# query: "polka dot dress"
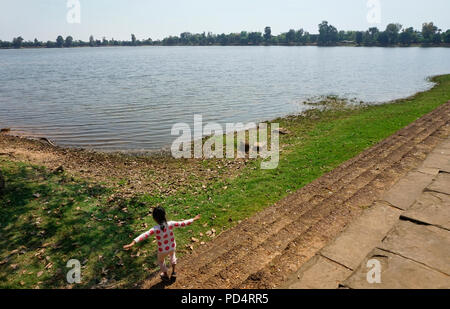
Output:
[[164, 236]]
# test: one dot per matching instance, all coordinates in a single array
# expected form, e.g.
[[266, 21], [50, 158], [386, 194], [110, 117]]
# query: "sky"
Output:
[[46, 19]]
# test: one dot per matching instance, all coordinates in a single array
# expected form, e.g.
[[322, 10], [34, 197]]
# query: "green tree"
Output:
[[407, 36], [59, 41], [202, 39], [255, 38], [185, 38], [282, 38], [437, 39], [428, 31], [275, 40], [299, 36], [359, 37], [69, 41], [372, 36], [290, 36], [171, 40], [91, 41], [17, 42], [267, 34], [211, 38], [243, 38], [306, 37], [133, 39], [328, 34], [392, 32], [383, 38], [37, 43], [446, 36]]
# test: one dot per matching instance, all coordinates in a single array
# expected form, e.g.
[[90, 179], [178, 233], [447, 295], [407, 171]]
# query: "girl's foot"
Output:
[[164, 277], [173, 277]]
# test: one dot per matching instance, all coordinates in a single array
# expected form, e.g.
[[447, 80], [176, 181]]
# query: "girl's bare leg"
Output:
[[162, 265], [173, 262]]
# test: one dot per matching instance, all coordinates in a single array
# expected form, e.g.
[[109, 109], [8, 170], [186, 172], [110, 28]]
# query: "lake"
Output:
[[128, 98]]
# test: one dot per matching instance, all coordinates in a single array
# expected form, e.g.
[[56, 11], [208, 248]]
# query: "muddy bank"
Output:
[[131, 174]]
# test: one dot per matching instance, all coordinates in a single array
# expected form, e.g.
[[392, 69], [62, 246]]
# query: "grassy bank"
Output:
[[48, 218]]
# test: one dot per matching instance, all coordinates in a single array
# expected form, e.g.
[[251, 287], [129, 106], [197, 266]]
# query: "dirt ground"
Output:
[[130, 174]]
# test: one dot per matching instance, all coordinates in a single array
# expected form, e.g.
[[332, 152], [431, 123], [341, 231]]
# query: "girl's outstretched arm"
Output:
[[186, 222], [145, 235], [128, 247], [140, 238]]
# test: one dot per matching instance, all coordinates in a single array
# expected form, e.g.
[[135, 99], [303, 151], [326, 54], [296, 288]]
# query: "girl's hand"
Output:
[[128, 247], [197, 217]]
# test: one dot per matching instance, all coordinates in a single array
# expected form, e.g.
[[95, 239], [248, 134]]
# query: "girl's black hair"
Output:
[[159, 214]]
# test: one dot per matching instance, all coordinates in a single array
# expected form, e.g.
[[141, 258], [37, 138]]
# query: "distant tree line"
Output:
[[393, 35]]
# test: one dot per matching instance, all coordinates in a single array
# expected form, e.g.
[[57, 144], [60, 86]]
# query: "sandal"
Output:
[[164, 277], [173, 277]]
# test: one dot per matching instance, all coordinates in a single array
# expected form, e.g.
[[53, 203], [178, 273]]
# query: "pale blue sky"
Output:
[[45, 19]]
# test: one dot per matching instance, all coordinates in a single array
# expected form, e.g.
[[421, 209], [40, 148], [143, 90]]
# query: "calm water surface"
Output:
[[129, 98]]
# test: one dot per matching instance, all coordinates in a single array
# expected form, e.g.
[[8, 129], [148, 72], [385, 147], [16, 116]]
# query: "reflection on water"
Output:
[[129, 98]]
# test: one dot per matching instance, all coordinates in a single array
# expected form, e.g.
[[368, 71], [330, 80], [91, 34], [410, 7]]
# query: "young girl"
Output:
[[165, 238]]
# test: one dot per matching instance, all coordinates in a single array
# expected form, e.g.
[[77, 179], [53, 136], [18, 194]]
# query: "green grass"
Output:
[[47, 219]]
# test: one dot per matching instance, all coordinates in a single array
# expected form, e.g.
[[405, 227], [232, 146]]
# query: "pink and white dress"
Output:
[[164, 237]]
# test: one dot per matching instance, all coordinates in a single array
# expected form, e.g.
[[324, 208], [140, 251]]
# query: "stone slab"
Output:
[[437, 160], [318, 273], [424, 244], [429, 170], [444, 145], [404, 193], [397, 273], [362, 235], [441, 183], [431, 208], [441, 150]]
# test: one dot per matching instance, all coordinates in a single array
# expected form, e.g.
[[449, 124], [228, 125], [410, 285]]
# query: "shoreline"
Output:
[[444, 45], [317, 103]]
